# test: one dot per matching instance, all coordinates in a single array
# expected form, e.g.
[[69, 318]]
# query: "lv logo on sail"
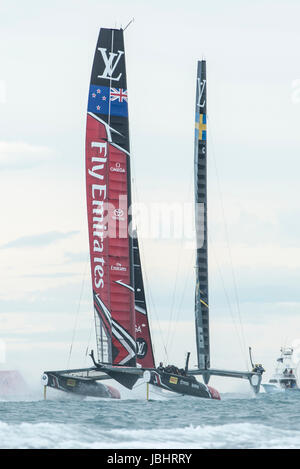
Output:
[[141, 347], [201, 88], [110, 63]]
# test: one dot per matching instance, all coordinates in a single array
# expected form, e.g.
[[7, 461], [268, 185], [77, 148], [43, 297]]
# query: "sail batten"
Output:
[[200, 171]]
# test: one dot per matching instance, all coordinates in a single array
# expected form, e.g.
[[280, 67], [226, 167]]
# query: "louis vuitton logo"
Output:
[[140, 348], [111, 63], [201, 88]]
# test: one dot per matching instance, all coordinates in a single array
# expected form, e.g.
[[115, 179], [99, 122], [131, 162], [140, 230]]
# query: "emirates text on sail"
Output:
[[99, 193]]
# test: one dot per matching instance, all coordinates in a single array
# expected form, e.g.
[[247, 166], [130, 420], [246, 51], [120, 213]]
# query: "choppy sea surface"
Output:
[[237, 421]]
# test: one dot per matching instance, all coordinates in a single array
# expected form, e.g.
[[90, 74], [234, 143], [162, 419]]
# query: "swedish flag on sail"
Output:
[[200, 126]]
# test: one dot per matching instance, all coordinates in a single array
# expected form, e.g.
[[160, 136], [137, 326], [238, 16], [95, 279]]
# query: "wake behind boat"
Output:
[[285, 375]]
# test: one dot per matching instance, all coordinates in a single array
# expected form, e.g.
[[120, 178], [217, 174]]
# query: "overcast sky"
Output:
[[253, 72]]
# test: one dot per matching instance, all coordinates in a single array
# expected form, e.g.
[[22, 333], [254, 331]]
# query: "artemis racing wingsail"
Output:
[[201, 291], [200, 174], [171, 378]]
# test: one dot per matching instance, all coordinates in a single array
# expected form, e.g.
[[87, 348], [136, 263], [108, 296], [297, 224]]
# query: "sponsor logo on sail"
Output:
[[118, 214], [119, 267], [117, 168], [110, 61], [142, 347], [201, 88], [99, 196]]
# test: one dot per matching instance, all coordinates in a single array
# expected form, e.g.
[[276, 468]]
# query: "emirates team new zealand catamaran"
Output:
[[124, 347], [122, 329]]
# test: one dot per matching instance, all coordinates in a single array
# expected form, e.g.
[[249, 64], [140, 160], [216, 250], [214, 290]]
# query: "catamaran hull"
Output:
[[79, 386], [185, 385]]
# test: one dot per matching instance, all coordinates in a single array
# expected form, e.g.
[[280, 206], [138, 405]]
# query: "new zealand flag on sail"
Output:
[[105, 100]]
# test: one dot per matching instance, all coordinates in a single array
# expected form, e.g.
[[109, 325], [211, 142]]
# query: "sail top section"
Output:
[[200, 172], [108, 95]]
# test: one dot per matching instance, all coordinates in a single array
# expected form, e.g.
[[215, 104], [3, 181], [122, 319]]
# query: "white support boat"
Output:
[[285, 376]]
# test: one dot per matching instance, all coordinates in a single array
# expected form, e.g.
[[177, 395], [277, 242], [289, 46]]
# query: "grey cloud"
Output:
[[38, 240], [76, 256]]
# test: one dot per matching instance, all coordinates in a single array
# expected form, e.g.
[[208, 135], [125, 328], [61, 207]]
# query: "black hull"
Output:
[[80, 386], [185, 385]]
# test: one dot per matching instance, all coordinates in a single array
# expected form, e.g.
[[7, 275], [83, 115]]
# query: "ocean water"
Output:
[[237, 421]]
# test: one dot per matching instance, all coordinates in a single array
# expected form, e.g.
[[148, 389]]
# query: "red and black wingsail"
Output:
[[108, 201]]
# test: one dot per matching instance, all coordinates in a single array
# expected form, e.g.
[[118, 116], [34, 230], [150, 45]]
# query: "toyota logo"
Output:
[[118, 212]]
